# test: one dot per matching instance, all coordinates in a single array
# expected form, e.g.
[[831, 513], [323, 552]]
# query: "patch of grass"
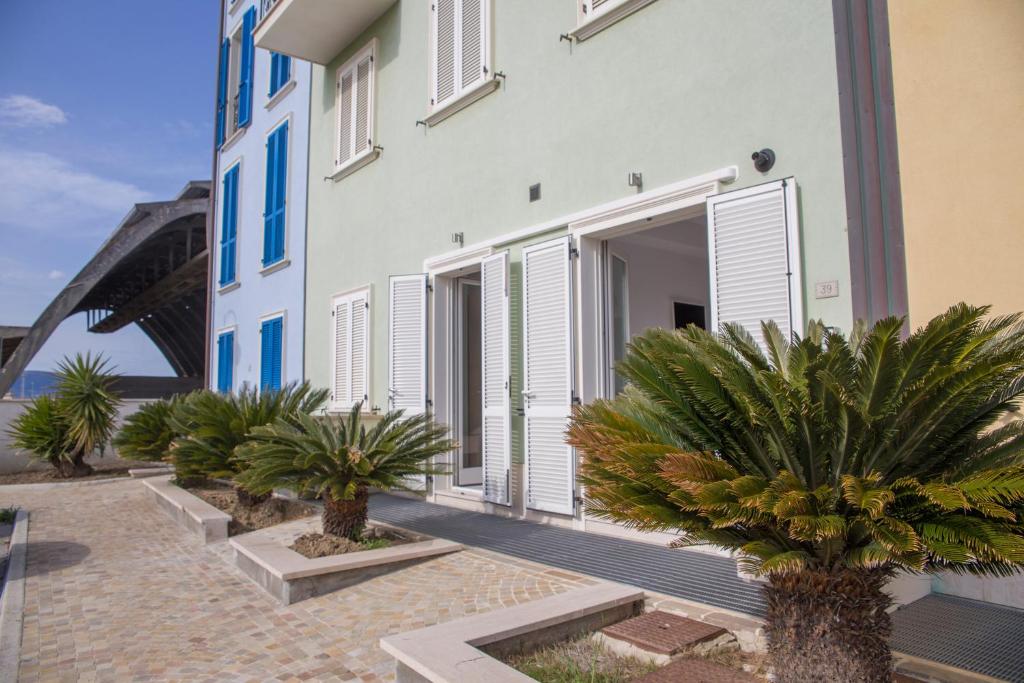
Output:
[[375, 543], [7, 515], [582, 660]]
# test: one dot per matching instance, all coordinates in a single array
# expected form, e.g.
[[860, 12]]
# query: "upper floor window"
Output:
[[595, 15], [276, 194], [460, 40], [234, 85], [229, 226], [354, 106], [280, 72]]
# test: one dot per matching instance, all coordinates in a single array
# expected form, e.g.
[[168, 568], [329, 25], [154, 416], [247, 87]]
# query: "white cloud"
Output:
[[55, 275], [22, 111], [40, 191]]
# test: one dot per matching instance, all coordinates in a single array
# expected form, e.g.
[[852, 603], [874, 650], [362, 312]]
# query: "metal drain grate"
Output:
[[972, 635]]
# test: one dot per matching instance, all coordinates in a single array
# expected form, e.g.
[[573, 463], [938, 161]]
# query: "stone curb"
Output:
[[143, 472], [12, 604], [191, 512], [43, 486]]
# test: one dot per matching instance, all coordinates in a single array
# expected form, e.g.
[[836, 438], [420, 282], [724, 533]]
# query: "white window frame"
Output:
[[366, 292], [231, 131], [590, 21], [463, 97], [372, 151]]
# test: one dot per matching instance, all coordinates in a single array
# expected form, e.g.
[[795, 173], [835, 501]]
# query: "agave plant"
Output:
[[147, 433], [41, 430], [339, 460], [827, 463], [213, 425]]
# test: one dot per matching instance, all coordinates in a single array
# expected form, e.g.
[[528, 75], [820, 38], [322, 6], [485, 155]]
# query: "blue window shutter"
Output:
[[276, 191], [280, 72], [275, 378], [229, 227], [266, 347], [246, 71], [222, 90], [225, 362]]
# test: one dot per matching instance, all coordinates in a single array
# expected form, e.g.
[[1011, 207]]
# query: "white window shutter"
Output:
[[345, 113], [407, 343], [754, 258], [363, 81], [360, 348], [444, 35], [495, 366], [341, 353], [548, 371], [350, 350], [472, 48]]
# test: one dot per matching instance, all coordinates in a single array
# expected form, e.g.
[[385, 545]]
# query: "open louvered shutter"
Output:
[[351, 350], [754, 256], [364, 69], [444, 41], [248, 50], [495, 366], [472, 48], [222, 90], [594, 7], [407, 344], [407, 350], [229, 226], [266, 353], [276, 191], [277, 359], [346, 91], [280, 72], [225, 361], [547, 380]]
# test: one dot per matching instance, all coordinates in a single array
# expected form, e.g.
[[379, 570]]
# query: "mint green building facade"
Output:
[[681, 93]]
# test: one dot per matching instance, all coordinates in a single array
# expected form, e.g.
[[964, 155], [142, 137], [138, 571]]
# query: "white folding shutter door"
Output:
[[407, 346], [444, 51], [754, 258], [471, 46], [547, 396], [341, 394], [496, 403], [362, 107], [345, 110]]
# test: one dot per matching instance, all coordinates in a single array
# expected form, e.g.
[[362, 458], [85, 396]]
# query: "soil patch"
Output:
[[102, 470], [325, 545], [245, 519]]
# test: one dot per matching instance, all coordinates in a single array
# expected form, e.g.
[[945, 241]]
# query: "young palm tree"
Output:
[[212, 426], [828, 464], [41, 430], [90, 406], [147, 434], [339, 459]]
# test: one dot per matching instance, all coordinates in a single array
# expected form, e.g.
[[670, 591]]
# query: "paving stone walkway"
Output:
[[117, 592]]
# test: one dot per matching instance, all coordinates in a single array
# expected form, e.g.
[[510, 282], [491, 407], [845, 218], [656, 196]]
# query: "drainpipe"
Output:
[[211, 214]]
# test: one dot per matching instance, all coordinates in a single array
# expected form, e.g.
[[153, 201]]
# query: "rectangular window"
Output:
[[350, 352], [271, 340], [276, 193], [225, 362], [229, 226], [280, 72], [234, 87], [460, 48], [354, 106], [595, 15]]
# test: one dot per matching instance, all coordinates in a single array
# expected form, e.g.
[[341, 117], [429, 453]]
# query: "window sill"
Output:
[[467, 98], [607, 18], [280, 264], [353, 165], [235, 137], [229, 287], [282, 93]]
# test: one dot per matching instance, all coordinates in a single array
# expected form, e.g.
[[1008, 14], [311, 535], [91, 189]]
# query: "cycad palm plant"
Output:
[[212, 426], [827, 463], [339, 459], [41, 430], [147, 433]]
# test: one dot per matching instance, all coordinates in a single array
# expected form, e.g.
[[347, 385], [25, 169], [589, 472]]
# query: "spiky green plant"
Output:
[[827, 463], [41, 431], [147, 434], [339, 459], [212, 425]]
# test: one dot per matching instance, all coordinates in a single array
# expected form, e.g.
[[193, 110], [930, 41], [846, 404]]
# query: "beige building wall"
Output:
[[958, 81]]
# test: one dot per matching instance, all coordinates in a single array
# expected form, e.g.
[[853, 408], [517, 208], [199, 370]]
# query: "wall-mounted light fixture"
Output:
[[764, 160]]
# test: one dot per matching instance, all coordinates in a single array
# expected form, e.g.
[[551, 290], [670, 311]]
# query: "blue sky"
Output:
[[102, 104]]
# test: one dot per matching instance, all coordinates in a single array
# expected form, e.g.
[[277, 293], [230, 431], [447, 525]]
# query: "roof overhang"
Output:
[[316, 30]]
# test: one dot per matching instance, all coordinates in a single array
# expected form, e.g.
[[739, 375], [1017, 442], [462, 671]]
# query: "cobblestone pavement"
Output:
[[116, 592]]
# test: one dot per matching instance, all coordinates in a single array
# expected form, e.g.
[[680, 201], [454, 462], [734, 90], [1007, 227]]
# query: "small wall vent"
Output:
[[534, 192]]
